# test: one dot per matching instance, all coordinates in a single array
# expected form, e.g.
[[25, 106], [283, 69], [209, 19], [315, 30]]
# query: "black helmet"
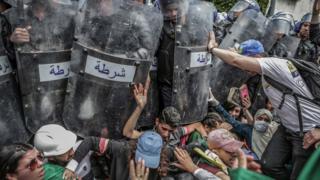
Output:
[[180, 5]]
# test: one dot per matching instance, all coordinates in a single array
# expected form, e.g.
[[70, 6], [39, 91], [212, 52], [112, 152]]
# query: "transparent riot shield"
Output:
[[291, 44], [44, 62], [12, 127], [298, 8], [114, 48], [249, 25], [192, 62], [269, 37]]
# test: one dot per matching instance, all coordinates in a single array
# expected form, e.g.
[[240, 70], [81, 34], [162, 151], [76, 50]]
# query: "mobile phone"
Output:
[[244, 92]]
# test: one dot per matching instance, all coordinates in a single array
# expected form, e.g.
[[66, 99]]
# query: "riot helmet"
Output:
[[173, 9], [241, 6], [54, 140], [305, 19], [49, 3], [281, 23]]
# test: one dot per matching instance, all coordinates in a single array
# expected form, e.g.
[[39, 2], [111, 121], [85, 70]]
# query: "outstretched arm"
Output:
[[232, 58], [140, 95]]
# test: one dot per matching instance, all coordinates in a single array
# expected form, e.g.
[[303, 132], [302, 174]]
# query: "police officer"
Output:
[[307, 49], [11, 119], [280, 25], [173, 11], [222, 28], [115, 25]]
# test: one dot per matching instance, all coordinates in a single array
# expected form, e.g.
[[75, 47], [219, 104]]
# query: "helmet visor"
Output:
[[280, 26]]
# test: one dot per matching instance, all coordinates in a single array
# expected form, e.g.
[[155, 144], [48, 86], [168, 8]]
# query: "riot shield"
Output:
[[249, 25], [44, 62], [298, 8], [192, 62], [114, 47], [291, 44], [151, 110], [279, 25], [12, 127], [269, 37]]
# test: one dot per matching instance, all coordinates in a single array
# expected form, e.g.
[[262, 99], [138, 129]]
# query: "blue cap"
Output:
[[251, 47], [149, 149]]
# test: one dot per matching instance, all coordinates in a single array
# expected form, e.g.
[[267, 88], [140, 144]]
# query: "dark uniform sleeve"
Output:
[[116, 147], [88, 144], [5, 38]]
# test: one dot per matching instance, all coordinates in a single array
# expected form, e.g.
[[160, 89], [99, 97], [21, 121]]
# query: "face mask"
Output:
[[261, 126]]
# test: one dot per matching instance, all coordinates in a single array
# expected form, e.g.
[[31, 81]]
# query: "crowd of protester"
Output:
[[236, 139]]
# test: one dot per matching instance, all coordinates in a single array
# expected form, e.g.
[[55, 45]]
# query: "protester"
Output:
[[147, 148], [311, 169], [244, 169], [263, 130], [186, 163], [234, 110], [21, 162], [58, 146], [164, 125], [282, 93], [211, 122], [221, 154], [268, 106], [139, 171], [287, 137]]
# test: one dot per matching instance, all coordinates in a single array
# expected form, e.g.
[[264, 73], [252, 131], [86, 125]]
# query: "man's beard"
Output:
[[304, 35]]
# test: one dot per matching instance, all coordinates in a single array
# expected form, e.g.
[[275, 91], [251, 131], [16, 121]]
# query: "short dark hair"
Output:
[[170, 116], [229, 106], [10, 156], [212, 120]]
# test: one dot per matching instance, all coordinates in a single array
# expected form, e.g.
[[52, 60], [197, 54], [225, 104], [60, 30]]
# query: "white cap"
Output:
[[54, 140]]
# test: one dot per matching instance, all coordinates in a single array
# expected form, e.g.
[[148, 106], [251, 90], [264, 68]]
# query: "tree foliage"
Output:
[[225, 5]]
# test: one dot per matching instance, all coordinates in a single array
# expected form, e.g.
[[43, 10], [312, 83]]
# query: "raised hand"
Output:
[[140, 95], [138, 172]]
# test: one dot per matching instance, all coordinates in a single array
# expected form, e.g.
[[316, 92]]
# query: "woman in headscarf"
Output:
[[263, 129]]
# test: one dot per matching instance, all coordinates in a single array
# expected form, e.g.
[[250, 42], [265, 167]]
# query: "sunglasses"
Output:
[[34, 163]]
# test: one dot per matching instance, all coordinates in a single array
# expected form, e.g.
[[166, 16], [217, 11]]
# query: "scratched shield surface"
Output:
[[249, 25], [192, 62], [113, 49], [11, 119], [44, 62]]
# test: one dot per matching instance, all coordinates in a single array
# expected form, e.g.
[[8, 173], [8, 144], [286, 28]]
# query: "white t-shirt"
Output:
[[286, 73]]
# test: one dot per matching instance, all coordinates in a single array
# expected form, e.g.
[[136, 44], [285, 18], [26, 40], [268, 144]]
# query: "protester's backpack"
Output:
[[310, 72]]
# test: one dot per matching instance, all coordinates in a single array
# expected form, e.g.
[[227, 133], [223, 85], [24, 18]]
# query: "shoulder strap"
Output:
[[285, 91], [281, 87]]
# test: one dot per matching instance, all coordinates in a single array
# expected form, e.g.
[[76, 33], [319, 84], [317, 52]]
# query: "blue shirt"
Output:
[[241, 129]]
